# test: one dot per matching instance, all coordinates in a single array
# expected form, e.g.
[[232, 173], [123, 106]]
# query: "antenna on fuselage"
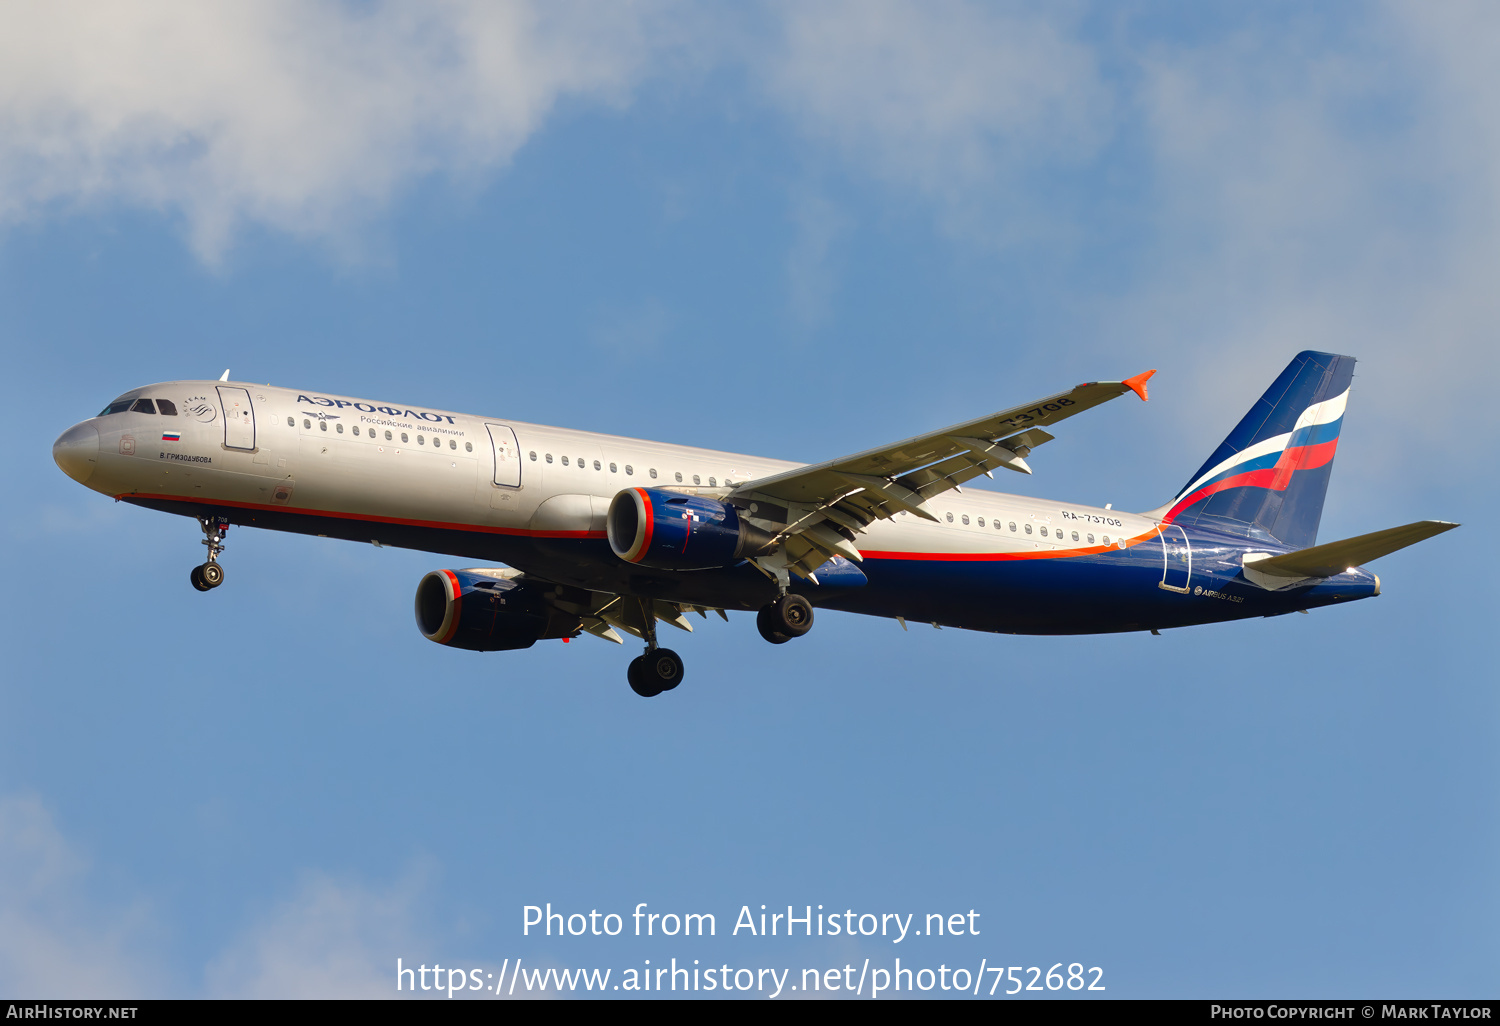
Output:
[[225, 375]]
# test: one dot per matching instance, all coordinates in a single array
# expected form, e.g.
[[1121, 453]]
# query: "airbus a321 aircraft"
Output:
[[602, 534]]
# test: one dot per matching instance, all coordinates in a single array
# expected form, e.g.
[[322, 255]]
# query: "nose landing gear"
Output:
[[210, 575]]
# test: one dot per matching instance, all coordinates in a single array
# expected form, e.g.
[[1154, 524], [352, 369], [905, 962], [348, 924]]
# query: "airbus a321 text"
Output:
[[603, 535]]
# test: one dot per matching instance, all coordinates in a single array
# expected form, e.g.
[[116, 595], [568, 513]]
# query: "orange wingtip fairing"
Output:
[[1137, 384]]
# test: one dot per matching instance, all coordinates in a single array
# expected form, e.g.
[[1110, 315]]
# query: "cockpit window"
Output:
[[118, 406], [143, 406], [166, 407]]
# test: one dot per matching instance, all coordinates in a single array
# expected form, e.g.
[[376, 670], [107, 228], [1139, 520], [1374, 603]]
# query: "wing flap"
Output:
[[829, 504]]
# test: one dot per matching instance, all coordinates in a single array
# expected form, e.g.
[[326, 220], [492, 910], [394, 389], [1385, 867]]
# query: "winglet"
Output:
[[225, 377], [1137, 384]]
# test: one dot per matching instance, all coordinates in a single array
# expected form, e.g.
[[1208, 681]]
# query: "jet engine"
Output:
[[670, 531], [483, 612]]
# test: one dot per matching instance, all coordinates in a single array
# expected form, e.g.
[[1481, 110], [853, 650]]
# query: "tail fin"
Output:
[[1272, 472]]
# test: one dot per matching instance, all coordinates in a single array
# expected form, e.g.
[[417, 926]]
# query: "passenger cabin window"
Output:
[[306, 424], [613, 469], [403, 438], [388, 438], [652, 472], [339, 428], [468, 447], [533, 455], [452, 443], [1012, 526], [322, 425], [950, 518], [1028, 528], [291, 422], [1091, 539], [166, 407], [1044, 532], [355, 429], [965, 519], [421, 442], [981, 521], [565, 461], [144, 406], [678, 475], [711, 483], [1106, 539], [1075, 535], [629, 469], [596, 464], [549, 457], [695, 479]]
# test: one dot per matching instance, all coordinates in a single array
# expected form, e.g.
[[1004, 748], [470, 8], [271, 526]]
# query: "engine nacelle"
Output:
[[483, 613], [671, 531]]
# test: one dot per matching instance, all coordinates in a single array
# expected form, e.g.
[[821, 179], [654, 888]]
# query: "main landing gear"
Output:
[[210, 575], [790, 616], [659, 669]]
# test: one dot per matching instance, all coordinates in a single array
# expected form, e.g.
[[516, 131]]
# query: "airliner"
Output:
[[605, 535]]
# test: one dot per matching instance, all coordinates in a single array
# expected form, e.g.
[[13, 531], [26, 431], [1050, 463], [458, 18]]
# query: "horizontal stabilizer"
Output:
[[1336, 557]]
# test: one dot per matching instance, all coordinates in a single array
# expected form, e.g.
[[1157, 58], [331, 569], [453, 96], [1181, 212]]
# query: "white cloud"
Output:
[[1334, 188], [59, 939], [302, 116], [1324, 182], [951, 99], [53, 941], [331, 939]]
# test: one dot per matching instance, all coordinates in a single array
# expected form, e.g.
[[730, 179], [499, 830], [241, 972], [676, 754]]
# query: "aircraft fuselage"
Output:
[[535, 498]]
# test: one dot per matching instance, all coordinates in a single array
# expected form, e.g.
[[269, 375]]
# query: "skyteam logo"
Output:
[[1271, 463]]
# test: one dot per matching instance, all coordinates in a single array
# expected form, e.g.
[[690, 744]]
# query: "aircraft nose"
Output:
[[76, 451]]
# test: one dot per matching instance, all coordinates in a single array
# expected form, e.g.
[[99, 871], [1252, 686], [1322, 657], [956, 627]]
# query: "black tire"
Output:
[[211, 574], [765, 622], [662, 668], [197, 578], [639, 683], [791, 615]]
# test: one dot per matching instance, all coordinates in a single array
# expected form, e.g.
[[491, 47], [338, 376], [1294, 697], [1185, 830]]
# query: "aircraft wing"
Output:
[[828, 504], [1336, 557]]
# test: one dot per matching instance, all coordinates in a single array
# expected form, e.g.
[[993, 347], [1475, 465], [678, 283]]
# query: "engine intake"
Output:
[[481, 613], [670, 531]]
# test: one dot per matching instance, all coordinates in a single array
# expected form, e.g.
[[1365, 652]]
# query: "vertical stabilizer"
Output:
[[1272, 472]]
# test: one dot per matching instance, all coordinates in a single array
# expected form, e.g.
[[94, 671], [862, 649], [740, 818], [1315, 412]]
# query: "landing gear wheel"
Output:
[[790, 616], [211, 574], [197, 578], [637, 677], [663, 668], [765, 622]]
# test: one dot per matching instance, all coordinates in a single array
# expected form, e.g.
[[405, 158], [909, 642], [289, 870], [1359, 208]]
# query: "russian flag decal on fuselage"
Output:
[[171, 436]]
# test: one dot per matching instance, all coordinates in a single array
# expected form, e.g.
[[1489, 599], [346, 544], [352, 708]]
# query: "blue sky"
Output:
[[790, 230]]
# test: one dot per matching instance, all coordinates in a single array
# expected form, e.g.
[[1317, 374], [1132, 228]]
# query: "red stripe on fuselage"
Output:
[[518, 532], [993, 557]]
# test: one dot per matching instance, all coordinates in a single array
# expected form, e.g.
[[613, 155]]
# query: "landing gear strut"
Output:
[[210, 575], [790, 616], [659, 669]]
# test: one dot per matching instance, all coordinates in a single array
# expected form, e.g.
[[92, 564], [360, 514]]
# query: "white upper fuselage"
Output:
[[387, 462]]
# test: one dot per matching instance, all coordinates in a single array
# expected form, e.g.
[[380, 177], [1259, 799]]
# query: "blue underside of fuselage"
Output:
[[1117, 590]]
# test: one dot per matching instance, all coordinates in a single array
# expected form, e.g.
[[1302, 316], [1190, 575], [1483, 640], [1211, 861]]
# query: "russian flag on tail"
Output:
[[1271, 473]]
